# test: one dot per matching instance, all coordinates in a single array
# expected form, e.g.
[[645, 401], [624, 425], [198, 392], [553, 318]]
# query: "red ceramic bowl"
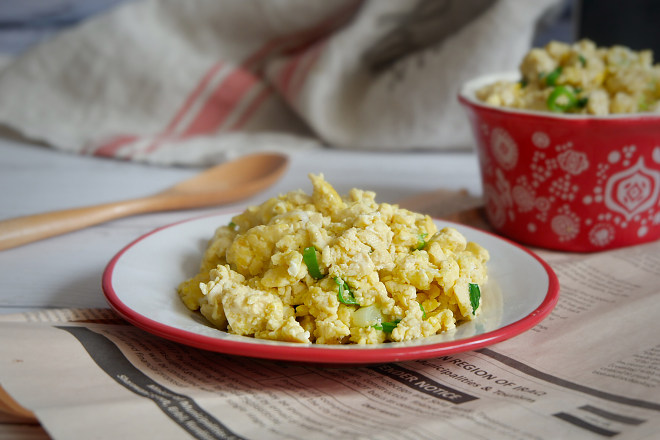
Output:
[[567, 182]]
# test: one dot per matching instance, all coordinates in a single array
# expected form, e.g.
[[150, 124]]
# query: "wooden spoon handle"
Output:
[[22, 230]]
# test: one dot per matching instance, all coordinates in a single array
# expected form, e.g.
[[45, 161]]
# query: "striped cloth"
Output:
[[198, 81]]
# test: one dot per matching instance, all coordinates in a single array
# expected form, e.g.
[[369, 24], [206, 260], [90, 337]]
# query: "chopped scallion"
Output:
[[552, 77], [387, 327], [423, 311], [475, 296], [561, 100], [642, 104], [421, 241], [344, 293], [312, 263]]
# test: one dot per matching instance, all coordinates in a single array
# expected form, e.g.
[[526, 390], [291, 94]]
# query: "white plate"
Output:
[[140, 284]]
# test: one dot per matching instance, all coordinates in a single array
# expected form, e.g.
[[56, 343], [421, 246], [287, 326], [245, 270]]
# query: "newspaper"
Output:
[[590, 370]]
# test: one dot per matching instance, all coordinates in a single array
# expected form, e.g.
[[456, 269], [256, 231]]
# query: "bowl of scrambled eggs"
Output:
[[328, 269], [569, 146]]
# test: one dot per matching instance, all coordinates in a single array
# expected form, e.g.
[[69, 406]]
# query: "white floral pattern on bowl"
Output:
[[628, 196]]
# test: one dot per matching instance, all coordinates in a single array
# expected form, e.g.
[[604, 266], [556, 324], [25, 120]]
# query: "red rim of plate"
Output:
[[310, 353]]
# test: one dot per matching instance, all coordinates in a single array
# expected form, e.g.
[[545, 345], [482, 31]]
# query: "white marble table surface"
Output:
[[65, 271]]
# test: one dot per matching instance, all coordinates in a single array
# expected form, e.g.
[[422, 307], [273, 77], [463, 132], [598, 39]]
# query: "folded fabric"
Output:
[[196, 82]]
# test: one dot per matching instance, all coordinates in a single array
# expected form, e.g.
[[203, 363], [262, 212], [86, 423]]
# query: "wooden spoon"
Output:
[[227, 182]]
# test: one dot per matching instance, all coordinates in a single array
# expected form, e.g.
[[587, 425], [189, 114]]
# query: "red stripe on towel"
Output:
[[109, 149], [192, 97], [222, 102], [251, 109]]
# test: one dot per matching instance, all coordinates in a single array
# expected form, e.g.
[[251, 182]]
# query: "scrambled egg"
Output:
[[336, 270], [581, 78]]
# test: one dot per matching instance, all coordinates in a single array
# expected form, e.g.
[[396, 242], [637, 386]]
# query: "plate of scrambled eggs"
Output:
[[326, 278]]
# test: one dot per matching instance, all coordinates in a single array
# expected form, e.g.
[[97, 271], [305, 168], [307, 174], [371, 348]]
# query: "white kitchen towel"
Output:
[[198, 81]]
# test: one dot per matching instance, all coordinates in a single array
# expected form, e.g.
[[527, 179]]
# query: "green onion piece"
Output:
[[555, 102], [423, 311], [309, 257], [642, 105], [421, 241], [583, 60], [551, 78], [475, 296], [523, 83], [387, 327], [232, 225], [345, 288]]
